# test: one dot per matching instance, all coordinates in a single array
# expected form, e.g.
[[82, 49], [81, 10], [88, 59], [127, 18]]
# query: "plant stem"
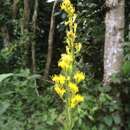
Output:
[[68, 122]]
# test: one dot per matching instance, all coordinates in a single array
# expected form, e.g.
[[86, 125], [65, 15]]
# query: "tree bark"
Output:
[[25, 31], [50, 42], [113, 49], [15, 8], [34, 20], [114, 39], [26, 13], [5, 35]]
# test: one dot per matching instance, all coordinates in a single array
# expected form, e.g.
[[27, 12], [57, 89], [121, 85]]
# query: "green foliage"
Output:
[[97, 111], [126, 68], [126, 71], [126, 65], [4, 76], [5, 15], [91, 34], [20, 105]]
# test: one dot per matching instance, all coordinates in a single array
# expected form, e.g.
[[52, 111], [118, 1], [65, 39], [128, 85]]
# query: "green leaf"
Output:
[[4, 76], [117, 119], [3, 107], [104, 97], [94, 128], [102, 127], [108, 120], [114, 128], [126, 67], [6, 93], [116, 79]]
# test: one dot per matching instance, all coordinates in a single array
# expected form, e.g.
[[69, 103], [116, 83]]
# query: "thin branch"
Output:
[[50, 41]]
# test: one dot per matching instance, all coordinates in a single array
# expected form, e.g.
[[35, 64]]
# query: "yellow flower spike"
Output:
[[67, 82], [59, 90], [75, 100], [79, 76], [73, 87]]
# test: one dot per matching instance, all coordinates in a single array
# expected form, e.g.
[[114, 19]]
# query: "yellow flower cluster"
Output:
[[60, 90], [59, 79], [66, 83], [73, 87], [66, 62], [79, 76], [68, 7], [75, 100]]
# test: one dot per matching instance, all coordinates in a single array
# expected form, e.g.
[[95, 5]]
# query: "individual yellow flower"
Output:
[[59, 90], [79, 76], [76, 100], [60, 79], [75, 24], [67, 49], [66, 61], [78, 47], [68, 78], [71, 35], [73, 87]]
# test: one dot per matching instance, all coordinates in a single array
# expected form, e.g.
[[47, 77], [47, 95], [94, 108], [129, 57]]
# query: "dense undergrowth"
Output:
[[22, 108]]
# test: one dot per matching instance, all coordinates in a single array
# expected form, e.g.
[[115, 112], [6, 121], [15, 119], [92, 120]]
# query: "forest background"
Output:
[[32, 35]]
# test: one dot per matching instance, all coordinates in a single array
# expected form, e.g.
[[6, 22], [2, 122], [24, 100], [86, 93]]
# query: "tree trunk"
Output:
[[25, 31], [50, 42], [34, 20], [114, 38], [5, 35], [15, 8], [113, 50], [26, 13]]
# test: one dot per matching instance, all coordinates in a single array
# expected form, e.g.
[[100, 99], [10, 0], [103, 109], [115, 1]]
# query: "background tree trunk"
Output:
[[50, 41], [15, 8], [5, 35], [114, 38], [26, 13], [113, 50], [25, 31], [34, 20]]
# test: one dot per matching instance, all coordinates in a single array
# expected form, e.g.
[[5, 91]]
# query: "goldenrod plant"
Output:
[[67, 82]]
